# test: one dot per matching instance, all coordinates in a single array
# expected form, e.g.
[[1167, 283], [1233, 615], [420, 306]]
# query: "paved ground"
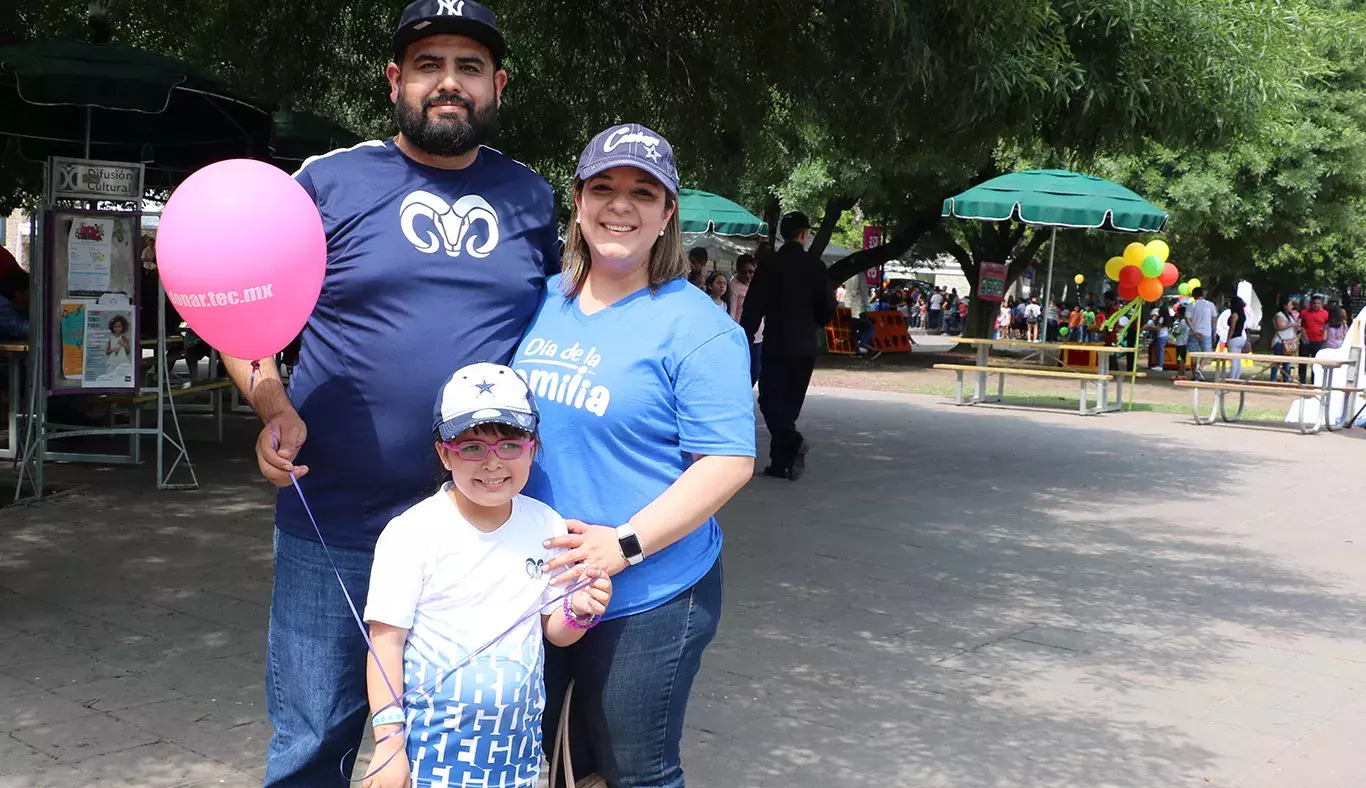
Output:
[[952, 597]]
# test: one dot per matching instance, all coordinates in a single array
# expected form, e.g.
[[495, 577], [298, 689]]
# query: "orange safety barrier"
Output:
[[889, 333], [838, 338]]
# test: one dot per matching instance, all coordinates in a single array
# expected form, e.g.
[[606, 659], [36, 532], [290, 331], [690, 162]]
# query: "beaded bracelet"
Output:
[[389, 716], [575, 622]]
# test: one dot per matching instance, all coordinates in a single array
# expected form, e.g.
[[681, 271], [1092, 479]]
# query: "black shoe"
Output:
[[798, 466], [776, 473]]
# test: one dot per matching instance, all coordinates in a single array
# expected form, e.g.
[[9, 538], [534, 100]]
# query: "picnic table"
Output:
[[1223, 385], [15, 354], [1036, 362]]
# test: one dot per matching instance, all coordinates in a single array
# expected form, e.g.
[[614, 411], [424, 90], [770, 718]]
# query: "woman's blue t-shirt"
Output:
[[627, 396]]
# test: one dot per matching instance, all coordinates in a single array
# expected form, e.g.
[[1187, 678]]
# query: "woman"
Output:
[[1286, 341], [1160, 326], [1335, 333], [1237, 334], [644, 436], [718, 287]]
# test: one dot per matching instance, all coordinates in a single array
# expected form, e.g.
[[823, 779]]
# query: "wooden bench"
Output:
[[177, 391], [1243, 387], [1031, 371]]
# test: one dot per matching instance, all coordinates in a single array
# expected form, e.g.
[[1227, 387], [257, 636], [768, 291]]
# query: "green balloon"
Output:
[[1062, 332], [1152, 266], [1184, 289]]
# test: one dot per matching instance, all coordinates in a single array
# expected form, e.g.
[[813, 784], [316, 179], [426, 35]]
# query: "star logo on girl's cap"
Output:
[[484, 388]]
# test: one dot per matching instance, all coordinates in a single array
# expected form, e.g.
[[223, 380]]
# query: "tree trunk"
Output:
[[773, 215], [906, 236]]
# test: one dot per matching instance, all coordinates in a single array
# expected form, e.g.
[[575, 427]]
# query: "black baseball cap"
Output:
[[453, 17]]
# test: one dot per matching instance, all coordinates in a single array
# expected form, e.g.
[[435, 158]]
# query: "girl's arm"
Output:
[[591, 601], [388, 641], [688, 503]]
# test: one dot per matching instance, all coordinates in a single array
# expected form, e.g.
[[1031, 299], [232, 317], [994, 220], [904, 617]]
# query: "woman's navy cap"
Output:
[[455, 17], [630, 145]]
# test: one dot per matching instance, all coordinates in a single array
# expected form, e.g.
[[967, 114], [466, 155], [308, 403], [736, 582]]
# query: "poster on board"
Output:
[[991, 284], [72, 324], [109, 345], [89, 255]]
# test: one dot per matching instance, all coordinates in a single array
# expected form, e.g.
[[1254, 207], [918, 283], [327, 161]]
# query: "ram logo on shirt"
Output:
[[430, 223]]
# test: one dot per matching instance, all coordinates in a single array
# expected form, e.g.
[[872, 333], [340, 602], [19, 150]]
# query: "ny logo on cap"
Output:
[[450, 8]]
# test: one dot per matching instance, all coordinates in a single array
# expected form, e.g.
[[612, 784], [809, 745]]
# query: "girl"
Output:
[[1287, 339], [461, 569], [718, 287], [659, 410], [1336, 331], [1003, 321], [1178, 334], [117, 347], [1237, 334]]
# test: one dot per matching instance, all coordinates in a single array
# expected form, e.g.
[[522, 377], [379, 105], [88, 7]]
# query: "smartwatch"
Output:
[[630, 545]]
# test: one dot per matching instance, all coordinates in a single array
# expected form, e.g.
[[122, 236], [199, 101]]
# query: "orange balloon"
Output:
[[1169, 275], [1150, 289]]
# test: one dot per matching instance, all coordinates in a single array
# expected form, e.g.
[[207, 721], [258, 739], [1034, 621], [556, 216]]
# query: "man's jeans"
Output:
[[315, 677], [633, 677]]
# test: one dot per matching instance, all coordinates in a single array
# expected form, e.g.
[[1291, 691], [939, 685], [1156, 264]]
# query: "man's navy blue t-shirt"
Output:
[[427, 270]]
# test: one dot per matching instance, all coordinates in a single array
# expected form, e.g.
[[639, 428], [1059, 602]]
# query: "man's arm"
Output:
[[756, 299], [284, 434], [823, 293]]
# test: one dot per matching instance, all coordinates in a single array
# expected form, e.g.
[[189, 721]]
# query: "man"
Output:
[[1201, 319], [438, 250], [1314, 321], [936, 311], [739, 288], [14, 304], [789, 294], [698, 262]]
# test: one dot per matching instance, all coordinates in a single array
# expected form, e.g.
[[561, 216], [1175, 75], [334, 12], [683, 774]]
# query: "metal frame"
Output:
[[39, 431], [1323, 396]]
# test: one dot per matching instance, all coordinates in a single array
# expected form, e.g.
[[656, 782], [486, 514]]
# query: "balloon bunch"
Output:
[[1185, 288], [1143, 272]]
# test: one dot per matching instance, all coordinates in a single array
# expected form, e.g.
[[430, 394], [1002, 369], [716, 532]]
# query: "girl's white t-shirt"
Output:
[[455, 588]]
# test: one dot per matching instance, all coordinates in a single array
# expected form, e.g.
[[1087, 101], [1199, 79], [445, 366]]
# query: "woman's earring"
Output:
[[661, 233], [578, 220]]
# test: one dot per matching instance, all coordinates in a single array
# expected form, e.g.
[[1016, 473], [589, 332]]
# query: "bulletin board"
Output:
[[93, 265]]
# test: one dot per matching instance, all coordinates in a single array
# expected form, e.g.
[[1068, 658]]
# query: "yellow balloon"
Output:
[[1134, 253], [1113, 267], [1078, 279], [1195, 283], [1160, 249]]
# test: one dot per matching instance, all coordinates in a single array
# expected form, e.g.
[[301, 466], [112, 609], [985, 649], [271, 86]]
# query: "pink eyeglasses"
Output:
[[477, 450]]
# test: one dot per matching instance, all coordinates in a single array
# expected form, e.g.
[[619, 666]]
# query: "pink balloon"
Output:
[[242, 253]]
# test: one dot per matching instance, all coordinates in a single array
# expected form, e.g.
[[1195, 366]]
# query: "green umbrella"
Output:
[[120, 103], [299, 135], [702, 212], [1057, 198]]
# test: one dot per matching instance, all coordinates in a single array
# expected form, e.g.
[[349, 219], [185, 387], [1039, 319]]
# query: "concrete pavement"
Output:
[[951, 597]]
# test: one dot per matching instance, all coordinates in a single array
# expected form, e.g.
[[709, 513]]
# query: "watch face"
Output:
[[630, 546]]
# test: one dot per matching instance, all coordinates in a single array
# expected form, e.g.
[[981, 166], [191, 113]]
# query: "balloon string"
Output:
[[397, 701], [255, 370]]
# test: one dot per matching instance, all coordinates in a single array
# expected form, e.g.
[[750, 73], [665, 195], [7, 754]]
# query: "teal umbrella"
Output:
[[117, 102], [299, 135], [703, 212], [1057, 198]]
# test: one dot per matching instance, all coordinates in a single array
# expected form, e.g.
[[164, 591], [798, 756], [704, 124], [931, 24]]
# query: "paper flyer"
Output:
[[89, 252], [73, 338], [110, 341]]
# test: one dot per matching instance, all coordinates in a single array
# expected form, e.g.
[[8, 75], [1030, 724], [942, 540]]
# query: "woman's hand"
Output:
[[594, 545]]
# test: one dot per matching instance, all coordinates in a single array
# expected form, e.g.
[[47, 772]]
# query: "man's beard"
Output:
[[449, 135]]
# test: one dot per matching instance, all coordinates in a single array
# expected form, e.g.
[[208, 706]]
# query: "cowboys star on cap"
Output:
[[652, 153], [484, 388]]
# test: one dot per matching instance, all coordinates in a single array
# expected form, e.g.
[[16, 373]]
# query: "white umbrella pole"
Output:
[[1048, 283]]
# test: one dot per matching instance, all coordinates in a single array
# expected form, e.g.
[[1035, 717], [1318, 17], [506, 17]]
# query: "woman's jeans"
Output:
[[632, 678], [1236, 345], [1161, 343], [315, 674], [1278, 347]]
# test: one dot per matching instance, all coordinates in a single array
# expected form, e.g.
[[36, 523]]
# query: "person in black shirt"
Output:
[[790, 294]]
